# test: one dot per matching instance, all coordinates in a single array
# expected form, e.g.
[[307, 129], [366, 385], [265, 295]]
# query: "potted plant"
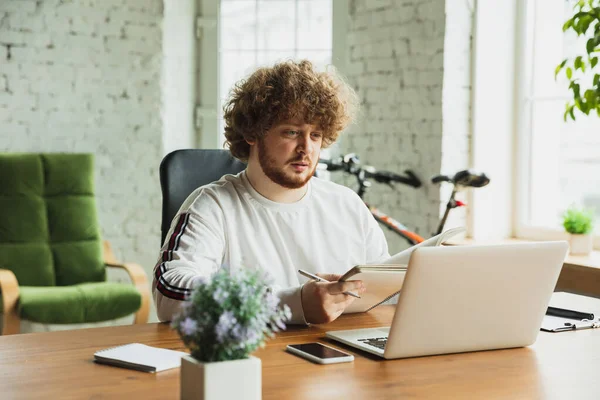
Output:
[[579, 223], [226, 318]]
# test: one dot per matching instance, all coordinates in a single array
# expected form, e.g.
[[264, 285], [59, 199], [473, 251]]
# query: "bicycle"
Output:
[[350, 164]]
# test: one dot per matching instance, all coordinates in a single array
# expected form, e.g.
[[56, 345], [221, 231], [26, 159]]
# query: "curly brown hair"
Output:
[[280, 93]]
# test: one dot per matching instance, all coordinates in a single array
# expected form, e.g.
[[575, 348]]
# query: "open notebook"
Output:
[[140, 357], [383, 281]]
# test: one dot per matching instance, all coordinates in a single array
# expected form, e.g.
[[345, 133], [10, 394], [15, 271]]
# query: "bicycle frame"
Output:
[[395, 226]]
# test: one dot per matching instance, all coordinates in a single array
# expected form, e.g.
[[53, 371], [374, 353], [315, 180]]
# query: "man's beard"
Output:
[[278, 175]]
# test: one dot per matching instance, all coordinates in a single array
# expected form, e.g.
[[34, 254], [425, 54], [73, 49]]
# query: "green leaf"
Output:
[[559, 67], [576, 91], [589, 45], [572, 114], [567, 25], [596, 79], [585, 23], [569, 73], [577, 63], [593, 61]]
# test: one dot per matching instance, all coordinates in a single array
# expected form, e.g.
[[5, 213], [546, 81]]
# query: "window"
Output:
[[560, 161], [254, 33]]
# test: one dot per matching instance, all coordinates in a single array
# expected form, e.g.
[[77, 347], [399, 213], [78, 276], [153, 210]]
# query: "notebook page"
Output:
[[404, 256], [139, 355]]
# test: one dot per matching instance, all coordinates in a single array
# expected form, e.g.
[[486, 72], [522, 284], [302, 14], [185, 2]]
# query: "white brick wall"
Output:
[[396, 65], [84, 76], [410, 64]]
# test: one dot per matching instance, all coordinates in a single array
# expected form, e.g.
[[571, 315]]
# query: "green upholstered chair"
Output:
[[52, 258]]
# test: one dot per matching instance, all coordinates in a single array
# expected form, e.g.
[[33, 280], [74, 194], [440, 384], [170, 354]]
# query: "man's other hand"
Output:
[[323, 302]]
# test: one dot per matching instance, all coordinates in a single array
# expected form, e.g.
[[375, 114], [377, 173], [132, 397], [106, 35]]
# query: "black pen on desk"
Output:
[[561, 312], [319, 279]]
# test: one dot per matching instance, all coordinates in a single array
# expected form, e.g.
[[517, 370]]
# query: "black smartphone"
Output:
[[319, 353]]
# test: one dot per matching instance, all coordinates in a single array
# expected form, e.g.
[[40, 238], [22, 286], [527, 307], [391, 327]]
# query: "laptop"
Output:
[[467, 298]]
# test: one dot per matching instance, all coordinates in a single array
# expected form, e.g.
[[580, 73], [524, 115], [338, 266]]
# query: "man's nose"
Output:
[[304, 144]]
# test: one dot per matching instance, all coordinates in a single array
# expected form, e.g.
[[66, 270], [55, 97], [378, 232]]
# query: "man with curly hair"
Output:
[[275, 216]]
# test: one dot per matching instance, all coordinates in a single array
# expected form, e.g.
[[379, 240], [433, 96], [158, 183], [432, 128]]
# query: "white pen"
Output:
[[318, 278]]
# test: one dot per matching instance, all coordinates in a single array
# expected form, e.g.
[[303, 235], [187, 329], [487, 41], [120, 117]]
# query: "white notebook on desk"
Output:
[[140, 357]]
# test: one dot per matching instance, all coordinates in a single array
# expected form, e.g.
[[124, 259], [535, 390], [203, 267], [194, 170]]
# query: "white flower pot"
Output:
[[235, 379], [581, 244]]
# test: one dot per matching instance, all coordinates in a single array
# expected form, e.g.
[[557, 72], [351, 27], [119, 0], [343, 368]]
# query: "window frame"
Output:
[[524, 48]]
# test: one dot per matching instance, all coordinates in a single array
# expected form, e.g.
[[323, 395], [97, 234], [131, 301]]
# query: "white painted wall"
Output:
[[494, 119], [180, 74], [456, 103]]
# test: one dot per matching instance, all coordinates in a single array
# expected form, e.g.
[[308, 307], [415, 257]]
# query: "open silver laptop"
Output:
[[467, 298]]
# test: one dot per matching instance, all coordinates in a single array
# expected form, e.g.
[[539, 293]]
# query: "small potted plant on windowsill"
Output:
[[225, 319], [579, 223]]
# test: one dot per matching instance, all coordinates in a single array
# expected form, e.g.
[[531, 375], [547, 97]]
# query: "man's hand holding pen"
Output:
[[323, 302]]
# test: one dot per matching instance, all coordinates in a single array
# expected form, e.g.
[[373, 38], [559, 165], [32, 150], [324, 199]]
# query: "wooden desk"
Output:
[[58, 365]]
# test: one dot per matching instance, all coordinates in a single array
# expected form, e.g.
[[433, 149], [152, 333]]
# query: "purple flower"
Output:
[[287, 312], [220, 295], [272, 300], [226, 321], [279, 323], [245, 293], [238, 332], [252, 336], [188, 327]]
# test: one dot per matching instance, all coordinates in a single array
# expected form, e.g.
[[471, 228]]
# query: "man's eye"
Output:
[[317, 135], [291, 133]]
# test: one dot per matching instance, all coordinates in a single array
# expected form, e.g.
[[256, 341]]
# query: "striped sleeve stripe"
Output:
[[162, 285], [167, 289], [178, 232]]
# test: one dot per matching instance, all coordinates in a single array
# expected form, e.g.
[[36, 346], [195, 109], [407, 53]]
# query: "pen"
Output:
[[318, 278], [561, 312]]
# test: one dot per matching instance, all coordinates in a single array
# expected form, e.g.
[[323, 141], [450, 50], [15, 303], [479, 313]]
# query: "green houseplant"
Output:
[[586, 95], [225, 319], [579, 223]]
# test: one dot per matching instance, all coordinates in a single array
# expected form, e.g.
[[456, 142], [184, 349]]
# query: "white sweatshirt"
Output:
[[229, 223]]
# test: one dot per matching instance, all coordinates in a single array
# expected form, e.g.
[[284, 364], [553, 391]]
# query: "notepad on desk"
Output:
[[383, 281], [140, 357]]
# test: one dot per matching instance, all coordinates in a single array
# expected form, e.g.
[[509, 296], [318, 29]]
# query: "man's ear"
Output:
[[251, 141]]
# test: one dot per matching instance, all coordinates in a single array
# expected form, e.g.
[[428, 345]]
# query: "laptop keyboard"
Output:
[[375, 342]]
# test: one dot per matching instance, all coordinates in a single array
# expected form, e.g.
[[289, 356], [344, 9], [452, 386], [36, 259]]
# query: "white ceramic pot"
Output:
[[235, 379], [581, 244]]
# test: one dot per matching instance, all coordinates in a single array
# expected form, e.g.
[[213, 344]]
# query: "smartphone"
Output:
[[319, 353]]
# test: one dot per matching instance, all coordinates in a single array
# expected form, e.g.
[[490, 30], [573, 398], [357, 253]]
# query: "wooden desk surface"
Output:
[[59, 365]]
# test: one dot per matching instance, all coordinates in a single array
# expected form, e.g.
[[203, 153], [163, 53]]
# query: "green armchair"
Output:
[[52, 258]]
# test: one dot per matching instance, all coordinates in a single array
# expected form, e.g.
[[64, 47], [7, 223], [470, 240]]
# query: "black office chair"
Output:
[[183, 171]]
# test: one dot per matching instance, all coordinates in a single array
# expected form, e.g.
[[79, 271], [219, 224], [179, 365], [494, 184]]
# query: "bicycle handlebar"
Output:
[[350, 164]]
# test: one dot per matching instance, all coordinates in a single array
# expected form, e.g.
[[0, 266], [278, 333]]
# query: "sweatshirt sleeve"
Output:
[[375, 242], [193, 248], [293, 298]]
